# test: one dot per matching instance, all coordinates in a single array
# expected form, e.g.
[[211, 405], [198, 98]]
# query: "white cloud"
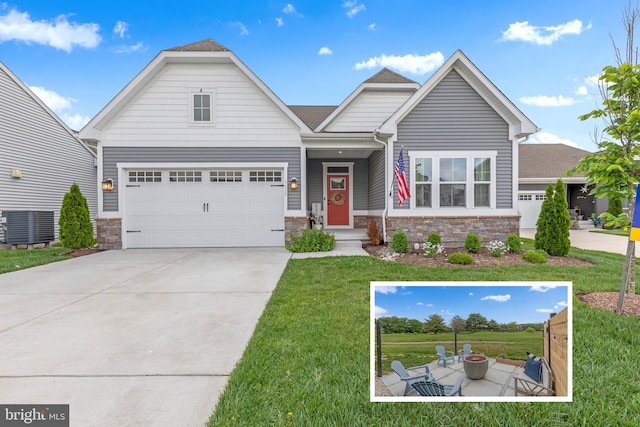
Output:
[[386, 289], [561, 304], [241, 27], [497, 298], [59, 33], [582, 91], [522, 31], [594, 80], [380, 312], [419, 303], [289, 9], [325, 51], [544, 310], [354, 7], [413, 64], [75, 121], [280, 22], [120, 28], [548, 101], [59, 104], [372, 26], [549, 138], [470, 294], [541, 288], [138, 47], [53, 100]]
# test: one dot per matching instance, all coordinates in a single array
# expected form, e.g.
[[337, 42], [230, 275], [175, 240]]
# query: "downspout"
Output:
[[386, 175]]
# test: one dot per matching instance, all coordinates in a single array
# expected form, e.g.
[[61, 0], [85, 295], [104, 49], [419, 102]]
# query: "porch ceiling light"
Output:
[[293, 184], [107, 185]]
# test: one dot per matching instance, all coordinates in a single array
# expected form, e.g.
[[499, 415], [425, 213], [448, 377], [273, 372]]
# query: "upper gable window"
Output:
[[202, 108]]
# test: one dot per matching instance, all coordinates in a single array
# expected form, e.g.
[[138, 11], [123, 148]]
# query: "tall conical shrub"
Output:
[[76, 230], [552, 234]]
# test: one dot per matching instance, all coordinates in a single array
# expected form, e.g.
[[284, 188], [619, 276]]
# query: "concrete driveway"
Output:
[[135, 337]]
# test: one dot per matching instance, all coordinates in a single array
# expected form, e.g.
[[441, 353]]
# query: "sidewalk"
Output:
[[584, 238]]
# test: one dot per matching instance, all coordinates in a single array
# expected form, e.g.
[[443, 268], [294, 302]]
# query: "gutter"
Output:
[[386, 175]]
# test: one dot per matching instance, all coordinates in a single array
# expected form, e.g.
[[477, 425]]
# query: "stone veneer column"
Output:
[[293, 225], [109, 233]]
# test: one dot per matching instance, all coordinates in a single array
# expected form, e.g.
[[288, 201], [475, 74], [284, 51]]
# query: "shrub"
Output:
[[76, 230], [514, 244], [536, 257], [497, 248], [472, 243], [530, 329], [432, 249], [552, 234], [399, 242], [615, 207], [434, 239], [460, 258], [313, 240], [373, 232]]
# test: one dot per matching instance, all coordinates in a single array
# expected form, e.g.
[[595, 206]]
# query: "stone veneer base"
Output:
[[109, 233]]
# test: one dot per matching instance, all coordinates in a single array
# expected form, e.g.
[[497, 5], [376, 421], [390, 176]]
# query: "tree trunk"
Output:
[[629, 273]]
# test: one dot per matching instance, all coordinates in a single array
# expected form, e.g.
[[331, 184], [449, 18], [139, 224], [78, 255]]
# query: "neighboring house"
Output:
[[40, 157], [544, 164], [202, 153]]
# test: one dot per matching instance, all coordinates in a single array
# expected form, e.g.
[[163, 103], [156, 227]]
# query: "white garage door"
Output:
[[204, 208], [529, 205]]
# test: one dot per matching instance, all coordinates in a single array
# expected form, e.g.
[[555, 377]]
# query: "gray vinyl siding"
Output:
[[50, 158], [453, 117], [376, 180], [360, 182], [114, 155]]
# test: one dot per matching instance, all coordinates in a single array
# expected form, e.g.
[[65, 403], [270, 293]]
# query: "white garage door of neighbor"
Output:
[[529, 205], [204, 208]]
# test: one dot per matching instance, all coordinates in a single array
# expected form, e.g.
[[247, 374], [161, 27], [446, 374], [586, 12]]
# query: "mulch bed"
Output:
[[82, 252], [609, 301], [482, 259]]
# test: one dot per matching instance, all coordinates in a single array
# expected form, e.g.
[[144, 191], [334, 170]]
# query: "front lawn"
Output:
[[308, 361], [19, 259]]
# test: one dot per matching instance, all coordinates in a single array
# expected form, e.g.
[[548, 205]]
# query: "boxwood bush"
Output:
[[460, 258], [472, 243], [536, 257], [399, 242]]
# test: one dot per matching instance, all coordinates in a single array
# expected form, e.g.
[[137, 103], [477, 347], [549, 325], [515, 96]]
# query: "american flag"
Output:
[[403, 188]]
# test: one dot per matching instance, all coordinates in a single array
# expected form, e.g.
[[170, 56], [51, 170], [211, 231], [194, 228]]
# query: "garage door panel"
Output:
[[204, 214]]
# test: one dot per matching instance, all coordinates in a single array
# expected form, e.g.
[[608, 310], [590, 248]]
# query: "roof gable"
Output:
[[519, 124], [383, 81], [203, 52]]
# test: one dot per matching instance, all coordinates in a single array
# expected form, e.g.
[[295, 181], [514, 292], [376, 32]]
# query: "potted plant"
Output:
[[596, 220]]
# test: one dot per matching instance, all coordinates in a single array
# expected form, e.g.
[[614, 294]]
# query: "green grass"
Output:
[[308, 362], [615, 231], [514, 345], [19, 259]]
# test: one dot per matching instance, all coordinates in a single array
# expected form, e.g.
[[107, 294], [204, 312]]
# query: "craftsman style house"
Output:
[[196, 151]]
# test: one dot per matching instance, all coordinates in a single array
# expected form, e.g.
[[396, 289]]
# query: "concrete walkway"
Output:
[[135, 337], [584, 238]]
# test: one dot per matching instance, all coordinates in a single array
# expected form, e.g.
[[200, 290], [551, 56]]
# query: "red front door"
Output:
[[338, 200]]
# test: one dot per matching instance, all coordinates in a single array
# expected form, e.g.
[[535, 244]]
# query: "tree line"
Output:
[[436, 324]]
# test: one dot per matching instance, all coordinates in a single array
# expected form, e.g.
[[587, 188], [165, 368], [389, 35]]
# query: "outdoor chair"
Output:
[[466, 351], [399, 368], [528, 386], [444, 355], [434, 388]]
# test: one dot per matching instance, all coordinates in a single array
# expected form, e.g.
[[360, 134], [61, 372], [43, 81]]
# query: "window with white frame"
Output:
[[453, 180], [202, 107]]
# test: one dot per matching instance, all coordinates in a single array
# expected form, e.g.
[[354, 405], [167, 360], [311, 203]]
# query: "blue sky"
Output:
[[77, 55], [521, 302]]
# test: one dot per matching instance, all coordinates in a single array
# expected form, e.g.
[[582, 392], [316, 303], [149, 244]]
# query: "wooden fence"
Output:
[[556, 349]]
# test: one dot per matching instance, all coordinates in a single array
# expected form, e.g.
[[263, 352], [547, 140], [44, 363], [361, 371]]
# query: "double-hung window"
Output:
[[202, 108], [452, 180]]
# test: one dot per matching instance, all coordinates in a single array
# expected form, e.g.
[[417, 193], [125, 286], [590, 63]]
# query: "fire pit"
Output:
[[475, 366]]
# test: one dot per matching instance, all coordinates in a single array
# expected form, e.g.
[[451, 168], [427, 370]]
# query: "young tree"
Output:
[[76, 230], [435, 324], [458, 323], [613, 167], [552, 234]]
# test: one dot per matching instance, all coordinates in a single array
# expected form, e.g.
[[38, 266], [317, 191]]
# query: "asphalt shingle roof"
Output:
[[548, 160], [387, 76], [312, 115], [206, 45]]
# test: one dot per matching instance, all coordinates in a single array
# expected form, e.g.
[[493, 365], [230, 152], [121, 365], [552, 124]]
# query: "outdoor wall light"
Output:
[[293, 184], [107, 185]]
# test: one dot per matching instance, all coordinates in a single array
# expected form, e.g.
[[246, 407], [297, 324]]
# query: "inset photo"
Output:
[[471, 341]]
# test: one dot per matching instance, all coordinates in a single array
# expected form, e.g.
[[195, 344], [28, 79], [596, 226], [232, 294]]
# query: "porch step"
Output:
[[358, 234]]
